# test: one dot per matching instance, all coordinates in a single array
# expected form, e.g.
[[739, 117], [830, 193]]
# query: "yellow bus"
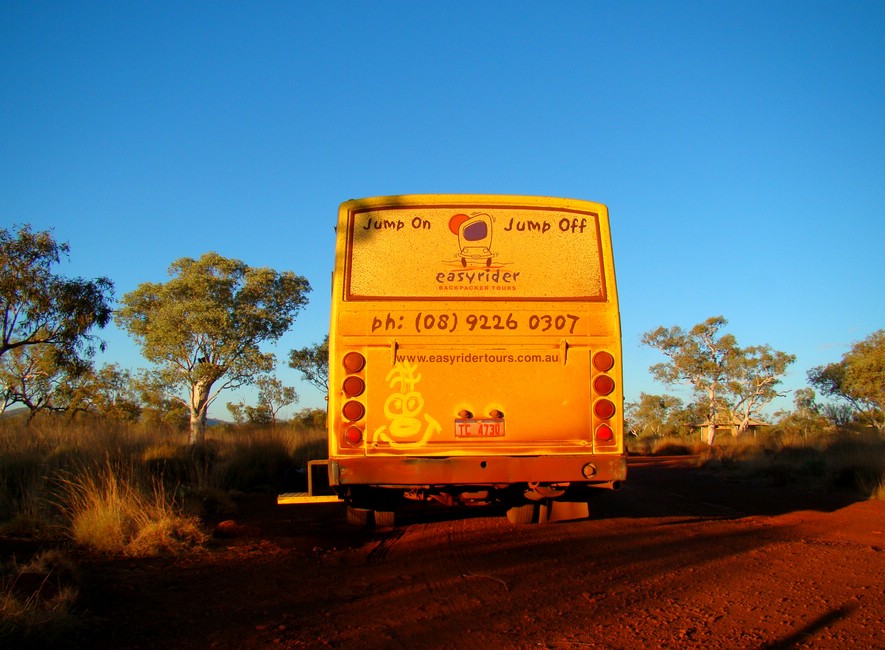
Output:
[[474, 355]]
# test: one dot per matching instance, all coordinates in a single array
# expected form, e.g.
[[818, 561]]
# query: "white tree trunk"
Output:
[[199, 405], [711, 415]]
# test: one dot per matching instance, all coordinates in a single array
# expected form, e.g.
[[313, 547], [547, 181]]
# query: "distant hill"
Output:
[[15, 412]]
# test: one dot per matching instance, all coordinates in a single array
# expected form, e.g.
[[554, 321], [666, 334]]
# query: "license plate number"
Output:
[[479, 428]]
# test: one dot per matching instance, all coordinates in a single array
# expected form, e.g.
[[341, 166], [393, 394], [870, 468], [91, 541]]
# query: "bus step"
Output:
[[289, 498]]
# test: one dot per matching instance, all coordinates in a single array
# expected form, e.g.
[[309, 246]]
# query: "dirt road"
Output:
[[677, 559]]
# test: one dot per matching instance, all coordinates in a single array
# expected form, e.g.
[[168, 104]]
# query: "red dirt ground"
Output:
[[679, 558]]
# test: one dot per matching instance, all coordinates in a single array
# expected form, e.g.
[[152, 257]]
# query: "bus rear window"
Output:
[[483, 253]]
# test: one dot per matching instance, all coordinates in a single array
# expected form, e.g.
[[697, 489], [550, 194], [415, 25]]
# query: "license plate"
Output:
[[479, 428]]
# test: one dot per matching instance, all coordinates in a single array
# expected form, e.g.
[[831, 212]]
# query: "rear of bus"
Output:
[[475, 355]]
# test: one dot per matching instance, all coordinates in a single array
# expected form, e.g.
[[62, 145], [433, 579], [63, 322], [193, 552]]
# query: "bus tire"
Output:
[[523, 514], [357, 517], [384, 518]]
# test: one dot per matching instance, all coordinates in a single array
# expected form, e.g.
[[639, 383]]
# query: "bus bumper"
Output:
[[478, 470]]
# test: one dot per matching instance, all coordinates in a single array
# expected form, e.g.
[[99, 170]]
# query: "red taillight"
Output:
[[354, 386], [604, 433], [604, 385], [353, 435], [604, 409], [353, 411], [603, 361], [354, 362]]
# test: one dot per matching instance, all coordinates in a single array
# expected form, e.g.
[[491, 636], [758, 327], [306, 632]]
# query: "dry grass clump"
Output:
[[109, 512], [256, 463], [857, 462], [665, 446], [845, 460], [37, 601], [877, 491]]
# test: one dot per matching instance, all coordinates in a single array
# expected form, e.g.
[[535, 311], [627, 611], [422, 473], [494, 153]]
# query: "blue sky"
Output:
[[739, 146]]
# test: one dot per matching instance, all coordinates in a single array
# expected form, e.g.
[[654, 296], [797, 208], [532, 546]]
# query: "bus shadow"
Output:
[[673, 489]]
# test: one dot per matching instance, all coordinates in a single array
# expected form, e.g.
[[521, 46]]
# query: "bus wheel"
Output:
[[523, 514], [463, 261], [530, 513], [357, 517], [384, 518], [489, 262]]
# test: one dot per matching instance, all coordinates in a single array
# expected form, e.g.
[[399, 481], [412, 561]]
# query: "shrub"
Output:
[[843, 460], [110, 513], [258, 463], [37, 601]]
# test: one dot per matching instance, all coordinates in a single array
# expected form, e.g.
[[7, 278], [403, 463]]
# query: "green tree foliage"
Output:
[[42, 308], [35, 376], [313, 363], [47, 319], [204, 327], [109, 392], [806, 419], [755, 376], [700, 357], [858, 379], [310, 418], [737, 380], [658, 416], [273, 396]]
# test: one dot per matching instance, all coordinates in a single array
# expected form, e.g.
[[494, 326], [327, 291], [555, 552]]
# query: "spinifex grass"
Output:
[[115, 511], [37, 600]]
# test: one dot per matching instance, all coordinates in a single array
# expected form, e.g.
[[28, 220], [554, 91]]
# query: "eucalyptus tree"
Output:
[[273, 396], [31, 376], [313, 364], [203, 329], [109, 392], [43, 309], [701, 357], [657, 416], [858, 379], [736, 380], [755, 376]]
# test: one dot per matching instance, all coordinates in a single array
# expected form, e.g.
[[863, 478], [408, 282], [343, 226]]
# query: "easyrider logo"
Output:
[[474, 256]]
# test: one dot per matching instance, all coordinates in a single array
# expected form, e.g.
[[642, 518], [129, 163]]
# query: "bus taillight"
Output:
[[353, 435], [603, 361], [353, 386], [354, 362], [353, 411], [604, 385], [604, 409], [604, 433]]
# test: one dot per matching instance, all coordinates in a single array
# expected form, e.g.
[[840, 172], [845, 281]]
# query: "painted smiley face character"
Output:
[[403, 410], [474, 233]]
